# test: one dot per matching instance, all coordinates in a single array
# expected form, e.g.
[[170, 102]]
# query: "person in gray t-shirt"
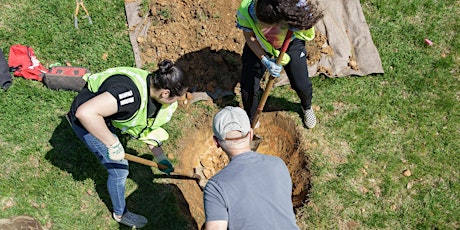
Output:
[[254, 190]]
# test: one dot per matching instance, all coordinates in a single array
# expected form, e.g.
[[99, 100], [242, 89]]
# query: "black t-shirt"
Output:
[[122, 88]]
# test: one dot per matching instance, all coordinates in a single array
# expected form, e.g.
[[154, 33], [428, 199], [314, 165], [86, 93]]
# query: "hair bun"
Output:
[[165, 66]]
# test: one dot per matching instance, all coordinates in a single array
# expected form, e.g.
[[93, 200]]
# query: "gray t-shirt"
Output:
[[252, 192]]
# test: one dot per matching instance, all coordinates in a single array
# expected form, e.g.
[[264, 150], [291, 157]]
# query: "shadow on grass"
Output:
[[275, 104], [162, 204]]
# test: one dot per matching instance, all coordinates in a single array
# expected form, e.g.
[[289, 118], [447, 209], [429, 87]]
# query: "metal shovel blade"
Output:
[[75, 21], [256, 140]]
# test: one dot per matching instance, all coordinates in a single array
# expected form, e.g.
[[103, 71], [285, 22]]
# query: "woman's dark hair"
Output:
[[300, 14], [169, 76], [267, 11]]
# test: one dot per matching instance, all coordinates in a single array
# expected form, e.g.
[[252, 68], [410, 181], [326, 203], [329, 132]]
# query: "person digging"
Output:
[[254, 190], [265, 24], [136, 102]]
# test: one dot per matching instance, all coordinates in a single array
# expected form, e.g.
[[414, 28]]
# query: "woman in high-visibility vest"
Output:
[[265, 24], [137, 103]]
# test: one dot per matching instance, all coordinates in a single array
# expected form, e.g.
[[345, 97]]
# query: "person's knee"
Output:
[[117, 172]]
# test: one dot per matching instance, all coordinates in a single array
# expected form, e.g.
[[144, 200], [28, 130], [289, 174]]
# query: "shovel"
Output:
[[178, 174], [256, 139]]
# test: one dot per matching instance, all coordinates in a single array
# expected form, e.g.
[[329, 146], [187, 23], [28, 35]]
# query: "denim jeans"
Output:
[[117, 170]]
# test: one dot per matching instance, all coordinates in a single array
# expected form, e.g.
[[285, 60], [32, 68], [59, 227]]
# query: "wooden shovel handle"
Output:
[[271, 80], [150, 163], [144, 161]]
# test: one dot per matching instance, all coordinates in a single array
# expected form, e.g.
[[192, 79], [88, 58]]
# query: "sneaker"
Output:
[[131, 219], [309, 118]]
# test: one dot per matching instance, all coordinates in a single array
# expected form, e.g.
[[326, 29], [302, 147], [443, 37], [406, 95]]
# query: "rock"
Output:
[[407, 173]]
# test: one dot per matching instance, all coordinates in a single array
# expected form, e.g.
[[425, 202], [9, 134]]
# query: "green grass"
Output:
[[51, 32], [380, 125]]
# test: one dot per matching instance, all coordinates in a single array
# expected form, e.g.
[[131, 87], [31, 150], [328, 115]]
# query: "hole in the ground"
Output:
[[281, 138]]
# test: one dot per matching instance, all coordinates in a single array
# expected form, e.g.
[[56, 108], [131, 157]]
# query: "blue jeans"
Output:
[[117, 170]]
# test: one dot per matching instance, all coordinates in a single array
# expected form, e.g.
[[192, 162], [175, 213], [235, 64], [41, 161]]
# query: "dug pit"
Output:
[[281, 137]]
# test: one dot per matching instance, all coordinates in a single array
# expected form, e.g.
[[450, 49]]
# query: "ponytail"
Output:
[[169, 76]]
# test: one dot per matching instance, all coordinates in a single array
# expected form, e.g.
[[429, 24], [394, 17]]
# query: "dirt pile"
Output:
[[202, 38]]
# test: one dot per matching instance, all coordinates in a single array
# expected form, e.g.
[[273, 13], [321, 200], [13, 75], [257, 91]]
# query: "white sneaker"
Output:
[[131, 219], [309, 118]]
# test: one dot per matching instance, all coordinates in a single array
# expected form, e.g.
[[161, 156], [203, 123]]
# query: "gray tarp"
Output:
[[347, 31]]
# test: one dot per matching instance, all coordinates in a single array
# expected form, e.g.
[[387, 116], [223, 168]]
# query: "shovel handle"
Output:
[[271, 80], [150, 163], [143, 161]]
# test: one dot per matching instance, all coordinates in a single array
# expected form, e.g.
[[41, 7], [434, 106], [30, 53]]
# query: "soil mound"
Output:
[[202, 38]]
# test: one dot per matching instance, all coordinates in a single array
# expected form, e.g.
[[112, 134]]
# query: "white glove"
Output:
[[272, 67], [155, 137], [116, 152]]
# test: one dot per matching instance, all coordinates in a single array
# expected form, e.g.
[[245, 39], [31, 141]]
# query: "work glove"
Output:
[[116, 152], [272, 67], [154, 137], [163, 160]]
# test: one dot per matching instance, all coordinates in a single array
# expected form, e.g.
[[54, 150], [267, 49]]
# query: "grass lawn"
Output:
[[388, 157]]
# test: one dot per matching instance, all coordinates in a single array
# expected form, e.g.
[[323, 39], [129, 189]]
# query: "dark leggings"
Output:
[[296, 71]]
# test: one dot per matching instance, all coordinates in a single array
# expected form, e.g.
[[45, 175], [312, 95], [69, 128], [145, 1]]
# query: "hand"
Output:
[[163, 160], [154, 137], [116, 152], [272, 67]]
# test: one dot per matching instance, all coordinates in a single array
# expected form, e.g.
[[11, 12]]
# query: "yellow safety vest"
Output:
[[245, 19], [138, 125]]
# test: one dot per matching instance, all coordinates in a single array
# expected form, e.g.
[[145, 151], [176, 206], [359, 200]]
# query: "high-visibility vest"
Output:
[[245, 19], [138, 125]]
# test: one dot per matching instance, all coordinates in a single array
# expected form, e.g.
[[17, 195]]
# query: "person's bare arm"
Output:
[[216, 225], [91, 115], [252, 42]]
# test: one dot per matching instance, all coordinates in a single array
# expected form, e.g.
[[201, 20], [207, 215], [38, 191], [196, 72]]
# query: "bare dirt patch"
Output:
[[281, 138], [202, 38]]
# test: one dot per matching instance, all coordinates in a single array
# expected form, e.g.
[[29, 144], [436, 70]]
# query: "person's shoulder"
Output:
[[227, 174], [271, 157], [266, 155], [120, 80], [246, 3], [246, 10], [118, 84]]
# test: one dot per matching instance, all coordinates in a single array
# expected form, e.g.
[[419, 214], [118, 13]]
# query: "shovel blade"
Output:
[[75, 21], [256, 140], [201, 178]]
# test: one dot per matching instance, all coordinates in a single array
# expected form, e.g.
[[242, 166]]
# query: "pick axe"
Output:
[[177, 173], [256, 139]]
